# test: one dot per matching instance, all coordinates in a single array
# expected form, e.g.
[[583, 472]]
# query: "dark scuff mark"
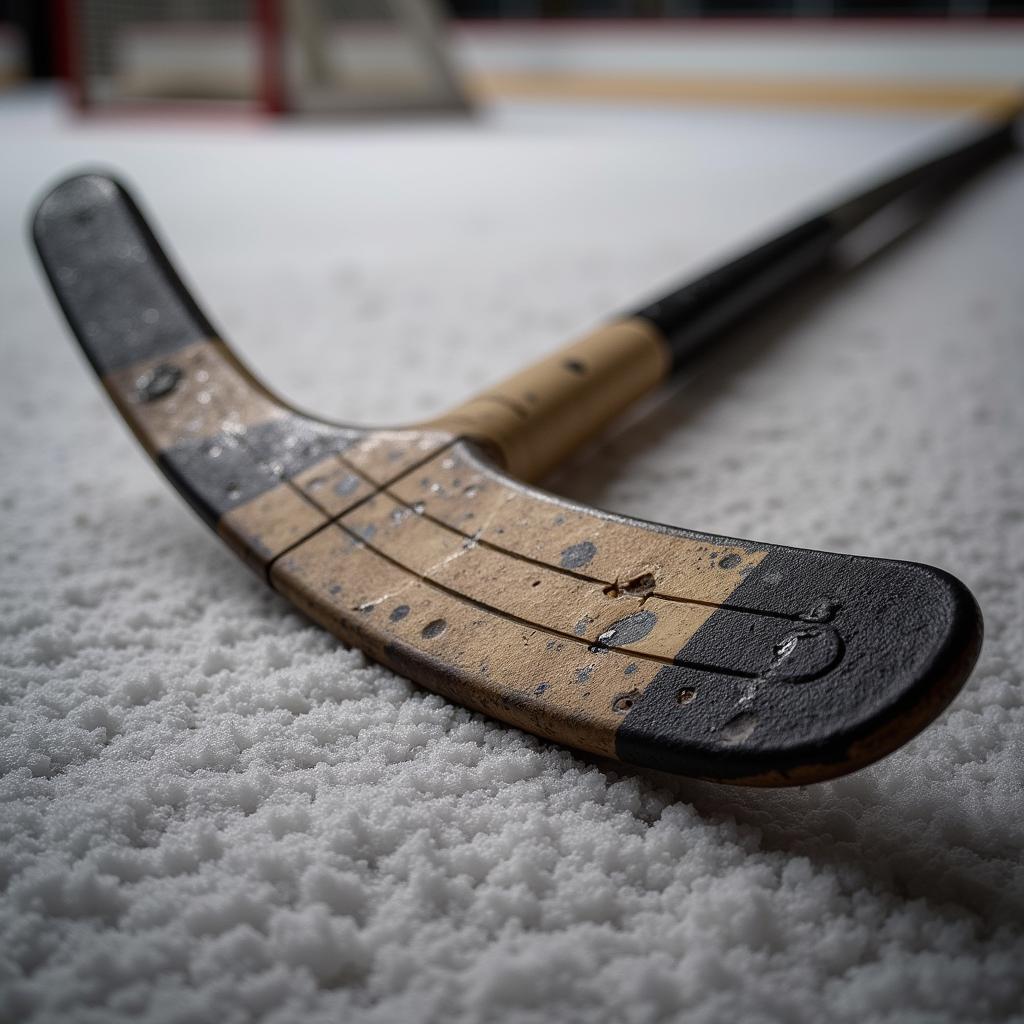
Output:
[[578, 555], [347, 485], [630, 629], [158, 382]]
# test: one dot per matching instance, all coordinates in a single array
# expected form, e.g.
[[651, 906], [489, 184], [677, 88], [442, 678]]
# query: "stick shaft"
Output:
[[693, 315], [531, 421]]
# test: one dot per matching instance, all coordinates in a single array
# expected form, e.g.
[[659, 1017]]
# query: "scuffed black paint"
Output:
[[118, 290], [220, 473], [902, 628]]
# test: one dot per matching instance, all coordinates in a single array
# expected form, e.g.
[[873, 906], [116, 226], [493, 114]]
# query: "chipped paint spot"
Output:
[[625, 701], [823, 611], [730, 561], [804, 654], [686, 695], [432, 629], [642, 586], [583, 674], [399, 613], [739, 727], [542, 688]]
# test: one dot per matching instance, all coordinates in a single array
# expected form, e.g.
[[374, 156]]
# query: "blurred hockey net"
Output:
[[281, 56]]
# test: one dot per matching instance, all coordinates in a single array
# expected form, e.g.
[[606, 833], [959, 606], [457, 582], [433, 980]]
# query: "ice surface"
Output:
[[214, 812]]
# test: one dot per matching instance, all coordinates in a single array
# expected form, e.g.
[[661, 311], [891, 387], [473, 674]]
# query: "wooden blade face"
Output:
[[682, 651]]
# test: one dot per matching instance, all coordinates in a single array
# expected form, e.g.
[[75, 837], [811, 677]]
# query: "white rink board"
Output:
[[770, 49]]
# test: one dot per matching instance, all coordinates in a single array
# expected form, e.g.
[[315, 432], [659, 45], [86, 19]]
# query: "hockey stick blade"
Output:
[[686, 652]]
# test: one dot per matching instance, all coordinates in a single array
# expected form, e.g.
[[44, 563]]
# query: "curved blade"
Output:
[[263, 474], [682, 651]]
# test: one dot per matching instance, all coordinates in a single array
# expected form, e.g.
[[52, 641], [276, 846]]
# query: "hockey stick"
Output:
[[683, 651]]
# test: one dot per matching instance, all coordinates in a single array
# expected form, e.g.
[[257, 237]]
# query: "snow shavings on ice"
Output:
[[213, 812]]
